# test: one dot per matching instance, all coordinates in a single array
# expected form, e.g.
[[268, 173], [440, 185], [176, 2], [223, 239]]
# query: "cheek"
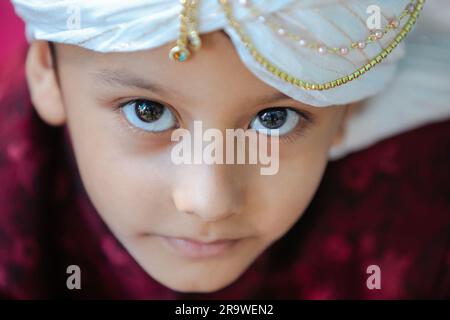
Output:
[[284, 197], [130, 196], [129, 188]]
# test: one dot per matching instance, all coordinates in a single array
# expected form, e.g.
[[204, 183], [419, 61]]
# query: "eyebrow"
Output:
[[273, 97], [129, 80]]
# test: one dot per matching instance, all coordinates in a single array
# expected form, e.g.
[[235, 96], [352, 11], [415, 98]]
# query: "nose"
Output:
[[210, 191]]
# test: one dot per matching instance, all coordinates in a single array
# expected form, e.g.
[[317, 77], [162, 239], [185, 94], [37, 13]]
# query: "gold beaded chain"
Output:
[[321, 48], [188, 35], [331, 84]]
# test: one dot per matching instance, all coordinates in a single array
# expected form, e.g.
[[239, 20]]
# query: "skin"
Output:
[[129, 175]]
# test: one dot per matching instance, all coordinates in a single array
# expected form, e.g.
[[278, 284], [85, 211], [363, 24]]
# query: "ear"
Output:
[[345, 116], [43, 84]]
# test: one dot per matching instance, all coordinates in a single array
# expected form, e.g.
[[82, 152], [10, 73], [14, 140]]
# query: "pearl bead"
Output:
[[394, 23], [302, 42], [281, 32], [361, 44], [243, 2], [322, 50], [411, 8], [344, 51], [378, 34]]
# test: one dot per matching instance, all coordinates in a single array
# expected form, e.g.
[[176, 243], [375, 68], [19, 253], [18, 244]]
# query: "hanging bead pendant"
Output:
[[179, 53], [195, 42], [188, 37]]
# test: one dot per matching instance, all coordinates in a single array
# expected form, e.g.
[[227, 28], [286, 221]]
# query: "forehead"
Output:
[[215, 68]]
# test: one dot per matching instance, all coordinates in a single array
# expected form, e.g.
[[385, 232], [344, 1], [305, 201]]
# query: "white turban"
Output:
[[118, 25]]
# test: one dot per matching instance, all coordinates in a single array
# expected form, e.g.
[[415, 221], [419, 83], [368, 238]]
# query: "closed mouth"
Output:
[[198, 249]]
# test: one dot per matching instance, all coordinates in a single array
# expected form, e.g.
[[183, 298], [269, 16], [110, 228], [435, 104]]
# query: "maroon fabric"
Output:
[[388, 205]]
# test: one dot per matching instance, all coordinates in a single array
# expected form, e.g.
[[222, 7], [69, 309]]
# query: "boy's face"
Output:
[[150, 203]]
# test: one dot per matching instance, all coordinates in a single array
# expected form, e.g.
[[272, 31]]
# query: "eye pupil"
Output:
[[273, 118], [148, 112]]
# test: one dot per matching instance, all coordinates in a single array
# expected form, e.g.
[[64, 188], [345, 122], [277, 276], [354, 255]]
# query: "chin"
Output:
[[197, 282], [199, 286], [191, 275]]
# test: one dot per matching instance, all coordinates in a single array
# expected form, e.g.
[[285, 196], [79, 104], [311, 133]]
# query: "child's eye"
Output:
[[149, 115], [283, 119]]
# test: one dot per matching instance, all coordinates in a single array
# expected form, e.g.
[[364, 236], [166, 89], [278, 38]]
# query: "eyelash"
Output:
[[305, 123], [132, 129], [307, 120]]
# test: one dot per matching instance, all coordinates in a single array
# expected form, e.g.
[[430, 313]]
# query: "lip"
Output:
[[197, 249]]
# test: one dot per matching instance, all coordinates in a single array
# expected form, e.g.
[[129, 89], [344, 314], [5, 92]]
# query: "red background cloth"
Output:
[[388, 205], [11, 30]]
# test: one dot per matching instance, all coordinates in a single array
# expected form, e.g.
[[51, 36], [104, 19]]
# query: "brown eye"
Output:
[[280, 121], [273, 118], [148, 111], [149, 115]]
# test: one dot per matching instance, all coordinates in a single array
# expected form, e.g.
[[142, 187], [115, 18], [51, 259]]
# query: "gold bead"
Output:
[[195, 41]]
